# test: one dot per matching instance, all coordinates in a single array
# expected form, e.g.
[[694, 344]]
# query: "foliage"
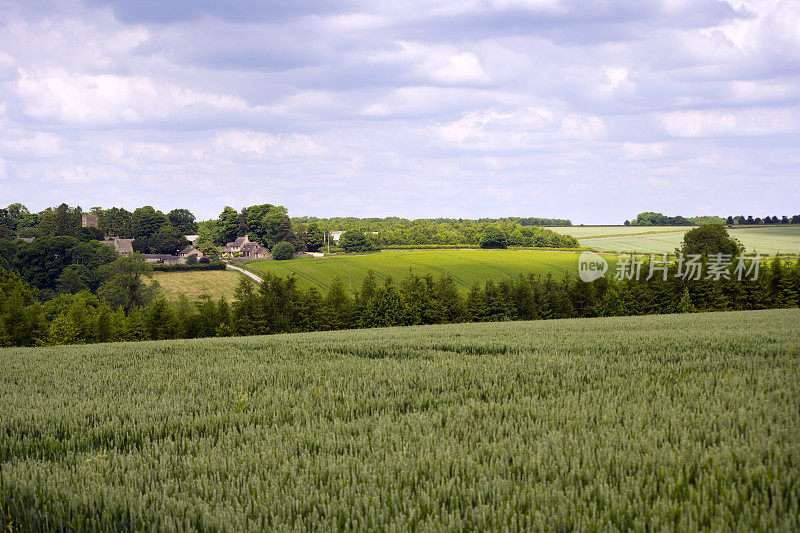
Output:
[[710, 239], [283, 250], [493, 237], [122, 284], [63, 221], [43, 262], [228, 225], [184, 220], [216, 264], [167, 240], [117, 222], [354, 241], [276, 227], [398, 232], [279, 305], [8, 253], [147, 221], [314, 237]]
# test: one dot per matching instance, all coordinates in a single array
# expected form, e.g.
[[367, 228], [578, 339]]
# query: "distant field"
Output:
[[466, 266], [654, 423], [661, 239], [214, 283]]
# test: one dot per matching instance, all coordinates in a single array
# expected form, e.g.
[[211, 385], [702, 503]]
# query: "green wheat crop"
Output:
[[649, 423]]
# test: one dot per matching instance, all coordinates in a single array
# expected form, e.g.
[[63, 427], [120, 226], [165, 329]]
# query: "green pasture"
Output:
[[194, 284], [466, 266]]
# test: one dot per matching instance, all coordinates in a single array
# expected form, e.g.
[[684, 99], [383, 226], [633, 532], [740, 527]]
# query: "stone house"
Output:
[[167, 259], [89, 221], [122, 246], [190, 250], [245, 248]]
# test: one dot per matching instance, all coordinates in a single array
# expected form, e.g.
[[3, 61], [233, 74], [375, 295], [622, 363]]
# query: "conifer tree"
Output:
[[685, 304]]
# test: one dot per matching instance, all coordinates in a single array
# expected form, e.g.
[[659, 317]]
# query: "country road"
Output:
[[245, 272]]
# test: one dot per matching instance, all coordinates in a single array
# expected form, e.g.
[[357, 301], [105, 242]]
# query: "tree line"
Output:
[[650, 218], [128, 310], [156, 232], [393, 231]]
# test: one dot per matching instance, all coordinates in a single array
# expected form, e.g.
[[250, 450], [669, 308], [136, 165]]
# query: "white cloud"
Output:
[[740, 122], [440, 64], [495, 130], [60, 96], [240, 144], [632, 151], [38, 145], [615, 76]]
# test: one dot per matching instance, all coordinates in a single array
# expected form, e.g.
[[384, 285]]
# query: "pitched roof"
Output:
[[124, 246], [187, 250], [254, 247]]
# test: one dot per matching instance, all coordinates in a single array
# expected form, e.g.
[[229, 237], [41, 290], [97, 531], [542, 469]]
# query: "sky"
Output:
[[592, 111]]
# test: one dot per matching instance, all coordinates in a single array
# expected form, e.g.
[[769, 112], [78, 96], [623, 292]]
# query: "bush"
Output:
[[710, 239], [493, 237], [200, 265], [354, 241], [283, 251]]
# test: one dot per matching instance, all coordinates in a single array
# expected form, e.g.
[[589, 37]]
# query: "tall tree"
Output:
[[123, 284], [277, 226], [184, 220], [116, 222], [228, 225], [147, 221], [167, 240], [63, 221], [710, 239]]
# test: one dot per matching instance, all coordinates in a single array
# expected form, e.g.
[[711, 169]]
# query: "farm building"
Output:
[[89, 221], [190, 250], [244, 247], [167, 259], [122, 246]]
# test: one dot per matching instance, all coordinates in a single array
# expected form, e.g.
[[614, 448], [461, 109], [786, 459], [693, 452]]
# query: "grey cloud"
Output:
[[161, 12]]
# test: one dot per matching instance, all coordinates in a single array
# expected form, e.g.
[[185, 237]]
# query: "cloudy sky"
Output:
[[587, 110]]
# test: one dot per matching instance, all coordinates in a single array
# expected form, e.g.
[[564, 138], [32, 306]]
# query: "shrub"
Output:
[[283, 250], [493, 237], [710, 239], [354, 241]]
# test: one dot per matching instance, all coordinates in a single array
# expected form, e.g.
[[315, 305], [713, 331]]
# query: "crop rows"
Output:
[[656, 422]]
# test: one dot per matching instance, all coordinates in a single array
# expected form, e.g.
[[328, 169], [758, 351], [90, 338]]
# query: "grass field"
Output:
[[663, 239], [466, 266], [193, 284], [676, 422]]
